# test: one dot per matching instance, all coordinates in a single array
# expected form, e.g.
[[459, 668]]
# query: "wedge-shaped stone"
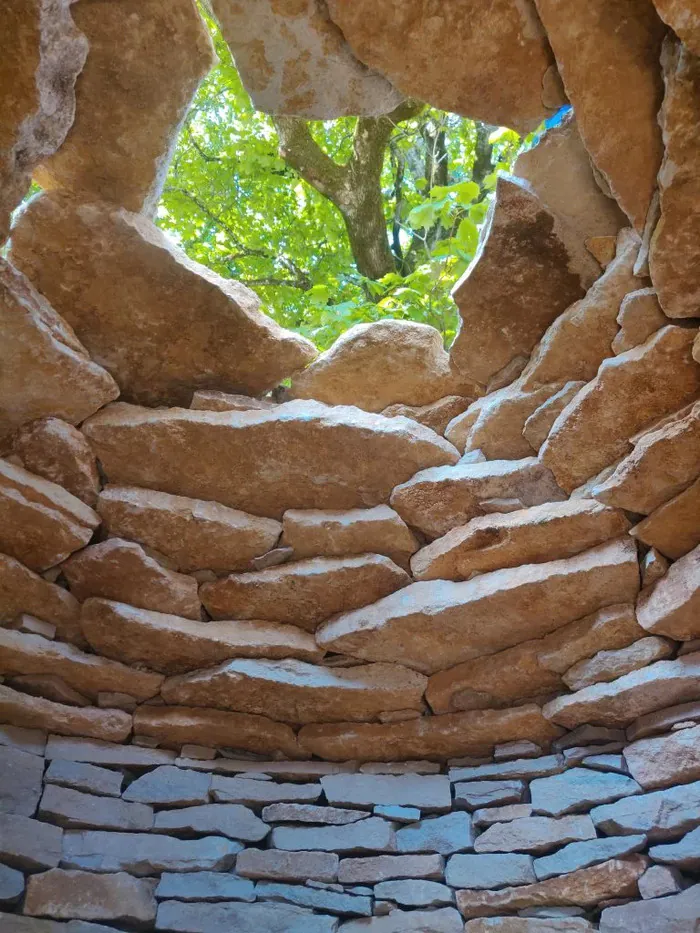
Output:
[[438, 499], [533, 668], [371, 835], [435, 737], [173, 645], [665, 760], [66, 895], [432, 625], [535, 834], [488, 871], [530, 266], [304, 592], [539, 424], [580, 855], [121, 570], [630, 391], [288, 866], [660, 915], [219, 819], [145, 63], [37, 713], [57, 451], [640, 316], [41, 523], [363, 456], [23, 591], [606, 666], [584, 888], [293, 691], [513, 96], [579, 789], [177, 725], [663, 814], [429, 792], [545, 532], [672, 606], [73, 809], [435, 416], [87, 673], [622, 701], [673, 528], [684, 19], [177, 327], [29, 845]]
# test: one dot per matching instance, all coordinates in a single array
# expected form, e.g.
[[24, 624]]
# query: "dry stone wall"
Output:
[[415, 642]]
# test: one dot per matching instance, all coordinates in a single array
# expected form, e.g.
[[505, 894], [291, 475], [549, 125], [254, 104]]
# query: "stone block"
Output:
[[82, 895], [370, 835], [445, 835], [74, 809], [29, 845], [142, 854], [277, 865], [21, 774]]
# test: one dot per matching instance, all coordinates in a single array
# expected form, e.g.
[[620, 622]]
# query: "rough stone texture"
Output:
[[545, 532], [673, 528], [169, 786], [371, 835], [245, 918], [663, 720], [414, 893], [304, 592], [143, 68], [673, 272], [430, 792], [663, 814], [193, 534], [11, 886], [211, 400], [287, 866], [488, 871], [666, 760], [333, 902], [435, 416], [175, 645], [491, 815], [653, 566], [584, 854], [664, 915], [523, 768], [433, 625], [659, 880], [640, 316], [44, 54], [672, 606], [397, 42], [443, 834], [220, 819], [20, 781], [529, 925], [586, 888], [474, 794], [105, 753], [202, 330], [85, 777], [294, 691], [439, 499], [381, 868], [73, 809], [535, 834], [121, 570], [578, 789], [617, 123], [308, 813], [684, 19], [630, 391], [437, 737], [28, 844], [177, 725], [64, 895], [266, 462], [48, 686], [381, 363], [57, 451], [204, 886], [529, 268], [36, 713], [540, 422], [685, 854], [609, 665]]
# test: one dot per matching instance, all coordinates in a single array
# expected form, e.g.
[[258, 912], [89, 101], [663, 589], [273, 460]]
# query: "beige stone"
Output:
[[532, 668], [630, 391], [40, 522], [580, 339], [539, 424], [297, 692], [162, 324], [176, 725], [44, 54], [439, 499], [86, 895], [673, 528], [435, 416], [672, 265], [619, 703], [672, 606], [653, 566], [433, 737], [121, 570], [174, 645], [608, 665], [57, 451], [193, 534], [640, 316], [20, 709], [266, 462], [381, 363], [22, 590], [530, 266], [145, 63], [211, 400], [665, 760], [616, 119], [602, 247], [684, 18], [48, 686], [545, 532], [494, 65], [45, 369], [294, 60], [304, 592], [586, 887], [435, 624]]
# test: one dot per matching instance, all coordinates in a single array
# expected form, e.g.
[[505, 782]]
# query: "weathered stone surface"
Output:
[[434, 625], [287, 866], [653, 566], [684, 19], [475, 794], [23, 591], [308, 813], [397, 44], [666, 760], [304, 592], [378, 364], [578, 789], [73, 809], [673, 528], [509, 770], [529, 925], [662, 814], [246, 918], [169, 786], [491, 815], [13, 923], [219, 819], [539, 423], [672, 606], [485, 872], [363, 456], [545, 532], [436, 737], [252, 792], [435, 416], [656, 916], [85, 777], [640, 316], [380, 868], [105, 753], [87, 896], [128, 113], [37, 713], [204, 886], [436, 500], [211, 400], [21, 773], [48, 686], [664, 719], [429, 792], [585, 888], [176, 725], [215, 337], [29, 845], [11, 887], [333, 902], [318, 533], [445, 835], [370, 835], [87, 673], [580, 855], [530, 266], [630, 391], [414, 893], [609, 665], [660, 880], [535, 834], [532, 668], [57, 451], [589, 42], [172, 644], [685, 853]]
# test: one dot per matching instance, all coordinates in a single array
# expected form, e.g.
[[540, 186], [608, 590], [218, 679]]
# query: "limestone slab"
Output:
[[105, 753], [673, 528], [578, 789], [536, 834], [662, 814], [27, 844], [475, 794], [37, 713], [640, 316], [414, 893], [80, 895], [606, 666], [662, 914], [435, 416], [378, 868], [204, 886], [578, 855], [308, 813], [56, 450], [665, 760], [23, 591], [445, 835], [217, 819], [490, 815], [524, 768], [489, 871], [660, 880], [84, 777], [73, 809], [21, 775], [11, 886], [278, 865], [370, 835], [169, 786], [252, 792], [429, 792], [246, 918], [685, 854], [672, 605], [563, 924], [333, 902]]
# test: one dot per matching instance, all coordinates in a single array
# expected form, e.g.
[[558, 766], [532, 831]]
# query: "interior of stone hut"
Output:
[[350, 466]]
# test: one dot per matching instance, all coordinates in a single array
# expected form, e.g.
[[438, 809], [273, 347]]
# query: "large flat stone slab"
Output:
[[445, 835], [536, 834], [21, 709], [27, 844], [378, 868], [218, 819], [59, 748], [488, 871], [84, 777], [662, 814], [204, 886], [660, 915], [23, 591], [672, 606], [278, 865], [56, 450], [253, 792], [333, 902], [170, 786], [66, 895], [606, 666], [665, 760], [73, 809], [309, 813], [685, 854], [577, 789], [673, 528], [580, 855], [430, 792], [443, 920], [371, 835], [21, 774]]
